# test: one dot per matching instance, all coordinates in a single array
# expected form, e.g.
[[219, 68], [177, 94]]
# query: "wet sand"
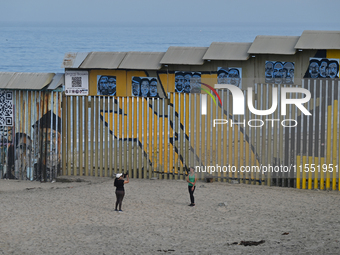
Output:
[[79, 218]]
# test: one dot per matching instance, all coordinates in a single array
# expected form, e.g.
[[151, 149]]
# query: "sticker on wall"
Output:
[[279, 72], [232, 75], [188, 82], [323, 68], [106, 85], [76, 83], [6, 108], [144, 86]]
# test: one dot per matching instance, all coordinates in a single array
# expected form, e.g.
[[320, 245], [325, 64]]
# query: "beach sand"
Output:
[[79, 218]]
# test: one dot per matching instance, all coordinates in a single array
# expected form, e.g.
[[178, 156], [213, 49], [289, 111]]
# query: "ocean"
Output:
[[41, 47]]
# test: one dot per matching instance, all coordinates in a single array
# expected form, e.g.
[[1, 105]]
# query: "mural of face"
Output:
[[111, 86], [179, 83], [222, 77], [288, 73], [144, 87], [277, 73], [332, 70], [314, 69], [5, 135], [187, 86], [153, 88], [103, 85], [23, 151], [323, 69], [233, 77], [135, 89], [47, 144], [195, 83], [269, 71], [52, 158]]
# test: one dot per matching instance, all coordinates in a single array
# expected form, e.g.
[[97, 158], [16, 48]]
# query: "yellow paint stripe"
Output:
[[322, 179], [155, 135], [150, 138], [236, 151], [335, 140], [208, 134], [161, 136], [197, 123], [329, 143], [187, 121], [304, 159], [166, 136], [247, 148], [219, 141], [176, 120], [140, 134], [213, 138], [310, 173], [230, 140], [298, 173], [182, 132], [241, 154], [145, 140], [316, 174], [171, 158]]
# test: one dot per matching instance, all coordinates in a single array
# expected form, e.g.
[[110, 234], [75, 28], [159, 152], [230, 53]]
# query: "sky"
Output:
[[139, 12]]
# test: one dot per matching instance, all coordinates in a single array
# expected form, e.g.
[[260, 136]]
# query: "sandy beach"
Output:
[[79, 218]]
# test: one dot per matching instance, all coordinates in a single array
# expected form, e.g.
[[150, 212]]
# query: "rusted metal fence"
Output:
[[52, 134], [162, 137]]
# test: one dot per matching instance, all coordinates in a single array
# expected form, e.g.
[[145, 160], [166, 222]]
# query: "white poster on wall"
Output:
[[76, 83]]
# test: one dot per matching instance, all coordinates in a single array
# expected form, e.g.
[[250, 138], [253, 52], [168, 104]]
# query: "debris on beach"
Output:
[[33, 188], [248, 243], [251, 243], [285, 233], [223, 204]]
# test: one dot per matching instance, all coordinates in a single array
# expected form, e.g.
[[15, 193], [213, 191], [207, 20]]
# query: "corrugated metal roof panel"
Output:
[[142, 60], [34, 81], [57, 81], [5, 78], [264, 44], [227, 51], [184, 56], [319, 40], [73, 60], [103, 60]]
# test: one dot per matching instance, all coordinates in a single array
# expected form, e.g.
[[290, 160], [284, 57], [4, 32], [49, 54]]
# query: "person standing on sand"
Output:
[[191, 179], [120, 192]]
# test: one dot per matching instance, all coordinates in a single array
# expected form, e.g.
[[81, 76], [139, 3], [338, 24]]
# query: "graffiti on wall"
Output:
[[279, 72], [144, 86], [188, 82], [106, 85], [6, 108], [232, 75], [322, 68]]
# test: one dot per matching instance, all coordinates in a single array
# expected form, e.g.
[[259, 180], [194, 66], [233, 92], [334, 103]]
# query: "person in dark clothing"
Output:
[[120, 192], [192, 179]]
